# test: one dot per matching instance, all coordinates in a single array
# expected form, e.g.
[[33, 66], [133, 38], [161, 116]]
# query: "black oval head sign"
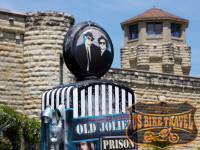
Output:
[[88, 50]]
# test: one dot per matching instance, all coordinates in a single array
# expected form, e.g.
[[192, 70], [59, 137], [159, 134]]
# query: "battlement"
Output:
[[162, 57]]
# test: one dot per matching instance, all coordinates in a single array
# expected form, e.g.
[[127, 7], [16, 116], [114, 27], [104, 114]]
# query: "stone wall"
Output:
[[43, 40], [148, 86], [31, 57], [12, 29], [162, 57]]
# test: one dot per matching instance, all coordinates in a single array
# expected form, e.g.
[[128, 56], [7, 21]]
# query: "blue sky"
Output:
[[110, 13]]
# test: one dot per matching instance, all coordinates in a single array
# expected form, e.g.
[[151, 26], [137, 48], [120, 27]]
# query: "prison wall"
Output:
[[148, 86], [43, 60], [12, 29], [31, 57]]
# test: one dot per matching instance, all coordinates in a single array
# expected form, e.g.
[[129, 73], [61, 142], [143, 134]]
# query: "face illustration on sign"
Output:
[[93, 53], [102, 44], [87, 145], [88, 50]]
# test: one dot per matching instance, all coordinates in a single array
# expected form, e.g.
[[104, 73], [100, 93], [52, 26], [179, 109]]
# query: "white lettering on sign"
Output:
[[108, 126], [117, 144], [86, 128], [114, 125]]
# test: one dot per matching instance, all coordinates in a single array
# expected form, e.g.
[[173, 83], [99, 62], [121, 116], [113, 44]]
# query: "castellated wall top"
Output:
[[130, 76], [165, 57], [14, 12]]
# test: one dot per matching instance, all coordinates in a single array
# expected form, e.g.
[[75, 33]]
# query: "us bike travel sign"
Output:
[[162, 124]]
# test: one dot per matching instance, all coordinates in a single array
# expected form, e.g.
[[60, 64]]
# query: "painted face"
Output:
[[88, 40], [92, 145], [102, 44], [83, 146]]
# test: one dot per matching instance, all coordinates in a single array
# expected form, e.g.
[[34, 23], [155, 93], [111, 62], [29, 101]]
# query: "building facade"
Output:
[[155, 60], [31, 57], [155, 41]]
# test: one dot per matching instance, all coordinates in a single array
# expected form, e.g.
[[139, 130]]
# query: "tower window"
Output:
[[154, 29], [175, 30], [133, 31]]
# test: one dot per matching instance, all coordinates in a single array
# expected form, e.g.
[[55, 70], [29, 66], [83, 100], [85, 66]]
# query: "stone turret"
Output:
[[31, 56], [155, 41], [43, 60]]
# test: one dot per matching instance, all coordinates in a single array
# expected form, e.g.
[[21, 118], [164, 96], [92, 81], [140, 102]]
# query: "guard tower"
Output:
[[156, 41]]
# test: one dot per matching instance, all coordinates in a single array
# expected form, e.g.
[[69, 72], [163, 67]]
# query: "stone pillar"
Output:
[[43, 40], [186, 60], [143, 57], [168, 58], [125, 53]]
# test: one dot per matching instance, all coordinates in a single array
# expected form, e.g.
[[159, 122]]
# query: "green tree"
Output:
[[17, 128]]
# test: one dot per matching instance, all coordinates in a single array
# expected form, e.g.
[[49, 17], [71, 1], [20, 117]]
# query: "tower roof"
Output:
[[154, 13]]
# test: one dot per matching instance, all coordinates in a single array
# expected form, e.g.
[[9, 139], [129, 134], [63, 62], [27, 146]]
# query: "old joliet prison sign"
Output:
[[95, 114]]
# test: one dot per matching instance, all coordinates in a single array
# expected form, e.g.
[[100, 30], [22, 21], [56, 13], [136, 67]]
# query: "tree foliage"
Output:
[[17, 127]]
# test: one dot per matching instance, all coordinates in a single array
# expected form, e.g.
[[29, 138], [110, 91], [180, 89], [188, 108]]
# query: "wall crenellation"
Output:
[[154, 78], [161, 57]]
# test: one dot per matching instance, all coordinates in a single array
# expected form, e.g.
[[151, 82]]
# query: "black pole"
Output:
[[47, 137]]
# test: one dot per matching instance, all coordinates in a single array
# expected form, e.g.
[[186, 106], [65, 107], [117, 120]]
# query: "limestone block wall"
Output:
[[31, 57], [12, 29], [43, 40], [186, 59], [143, 57], [148, 86], [161, 57], [128, 57]]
